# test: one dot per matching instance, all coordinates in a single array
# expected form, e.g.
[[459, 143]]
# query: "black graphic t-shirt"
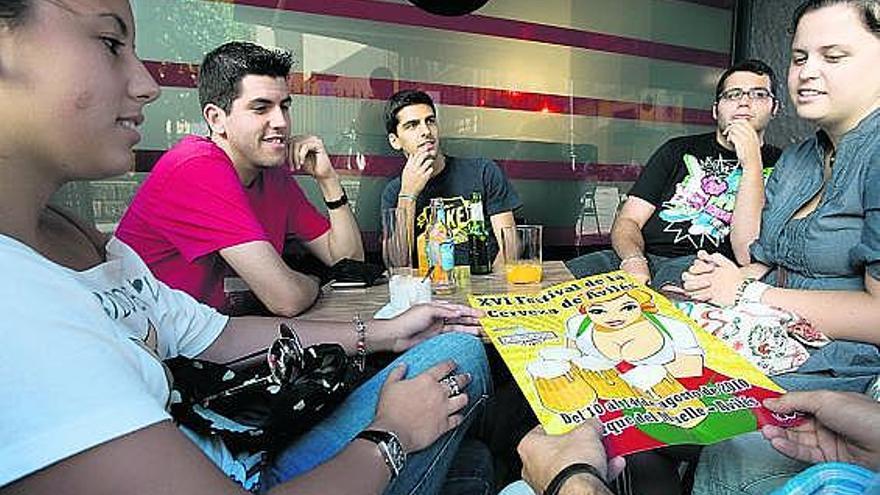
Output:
[[460, 178], [692, 181]]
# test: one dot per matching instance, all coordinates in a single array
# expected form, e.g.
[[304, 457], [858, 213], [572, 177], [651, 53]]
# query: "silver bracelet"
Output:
[[360, 354]]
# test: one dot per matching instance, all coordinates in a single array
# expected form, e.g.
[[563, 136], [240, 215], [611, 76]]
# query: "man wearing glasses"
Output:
[[700, 192]]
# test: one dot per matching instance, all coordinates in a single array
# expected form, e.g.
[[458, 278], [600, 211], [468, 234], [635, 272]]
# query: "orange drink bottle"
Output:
[[440, 250], [422, 251]]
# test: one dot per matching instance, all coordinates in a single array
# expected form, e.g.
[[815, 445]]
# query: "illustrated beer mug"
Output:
[[656, 384], [603, 377], [558, 353], [558, 388]]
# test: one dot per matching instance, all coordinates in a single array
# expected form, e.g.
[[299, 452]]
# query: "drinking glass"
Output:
[[522, 253], [396, 242], [404, 288]]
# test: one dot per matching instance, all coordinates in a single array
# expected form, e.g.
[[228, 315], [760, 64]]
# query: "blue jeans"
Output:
[[745, 465], [425, 470], [664, 270], [471, 472]]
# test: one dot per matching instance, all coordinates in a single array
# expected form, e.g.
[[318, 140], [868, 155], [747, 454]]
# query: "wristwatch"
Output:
[[390, 448], [338, 203]]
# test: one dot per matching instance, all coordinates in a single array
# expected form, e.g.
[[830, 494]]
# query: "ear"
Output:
[[215, 117], [775, 109], [394, 142], [715, 112]]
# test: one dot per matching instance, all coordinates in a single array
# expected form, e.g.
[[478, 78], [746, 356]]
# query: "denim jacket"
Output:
[[834, 246]]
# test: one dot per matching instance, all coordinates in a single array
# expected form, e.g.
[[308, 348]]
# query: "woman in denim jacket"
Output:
[[818, 253]]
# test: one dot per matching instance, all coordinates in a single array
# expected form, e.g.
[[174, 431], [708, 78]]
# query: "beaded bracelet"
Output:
[[741, 289], [555, 485], [360, 355], [750, 290], [631, 258]]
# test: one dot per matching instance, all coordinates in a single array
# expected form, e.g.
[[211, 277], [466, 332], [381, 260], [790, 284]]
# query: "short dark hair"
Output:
[[224, 67], [750, 65], [13, 13], [401, 99], [869, 10]]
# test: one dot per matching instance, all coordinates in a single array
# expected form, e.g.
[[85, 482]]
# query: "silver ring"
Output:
[[450, 382]]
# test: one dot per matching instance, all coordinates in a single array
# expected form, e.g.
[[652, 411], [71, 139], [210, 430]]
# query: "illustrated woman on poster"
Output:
[[624, 330]]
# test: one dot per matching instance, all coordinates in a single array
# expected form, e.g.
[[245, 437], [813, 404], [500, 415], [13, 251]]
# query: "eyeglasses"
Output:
[[754, 94], [285, 361]]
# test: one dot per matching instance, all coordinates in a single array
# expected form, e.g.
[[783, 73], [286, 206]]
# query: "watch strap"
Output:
[[338, 203], [555, 485], [390, 448]]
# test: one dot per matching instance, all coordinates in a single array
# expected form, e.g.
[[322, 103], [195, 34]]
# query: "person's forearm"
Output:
[[298, 293], [850, 315], [357, 469], [345, 235], [754, 270], [627, 239], [746, 222], [246, 334]]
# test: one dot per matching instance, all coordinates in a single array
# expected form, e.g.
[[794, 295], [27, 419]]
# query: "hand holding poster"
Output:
[[608, 347]]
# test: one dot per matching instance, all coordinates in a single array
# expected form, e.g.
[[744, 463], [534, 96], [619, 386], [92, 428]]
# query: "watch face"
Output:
[[396, 454]]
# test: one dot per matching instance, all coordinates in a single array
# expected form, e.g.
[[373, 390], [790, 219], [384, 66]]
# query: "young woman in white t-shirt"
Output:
[[84, 323]]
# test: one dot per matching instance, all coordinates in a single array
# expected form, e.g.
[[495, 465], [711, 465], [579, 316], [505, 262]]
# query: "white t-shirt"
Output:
[[80, 352]]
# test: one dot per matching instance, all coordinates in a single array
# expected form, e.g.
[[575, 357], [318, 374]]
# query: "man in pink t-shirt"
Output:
[[215, 212]]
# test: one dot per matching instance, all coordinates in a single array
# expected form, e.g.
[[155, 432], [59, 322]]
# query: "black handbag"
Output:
[[261, 406]]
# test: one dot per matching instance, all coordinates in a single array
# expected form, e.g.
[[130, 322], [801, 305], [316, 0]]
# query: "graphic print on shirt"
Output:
[[457, 218], [701, 209], [130, 304]]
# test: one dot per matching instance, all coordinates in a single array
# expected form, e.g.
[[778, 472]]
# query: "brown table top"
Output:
[[342, 304]]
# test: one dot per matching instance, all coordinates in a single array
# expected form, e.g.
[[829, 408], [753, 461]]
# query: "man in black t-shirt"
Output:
[[411, 122], [702, 192]]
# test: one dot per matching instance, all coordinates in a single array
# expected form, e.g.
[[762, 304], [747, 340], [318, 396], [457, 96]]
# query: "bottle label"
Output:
[[447, 256], [477, 212]]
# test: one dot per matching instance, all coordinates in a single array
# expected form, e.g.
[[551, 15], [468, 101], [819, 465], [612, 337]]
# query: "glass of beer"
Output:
[[522, 253], [558, 388]]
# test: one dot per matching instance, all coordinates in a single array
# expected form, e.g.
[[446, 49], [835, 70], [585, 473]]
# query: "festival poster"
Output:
[[608, 347]]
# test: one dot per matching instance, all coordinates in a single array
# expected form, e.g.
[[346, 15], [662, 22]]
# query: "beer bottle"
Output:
[[478, 237], [440, 250]]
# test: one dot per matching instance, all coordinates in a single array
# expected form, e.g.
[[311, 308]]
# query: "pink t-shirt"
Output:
[[193, 204]]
